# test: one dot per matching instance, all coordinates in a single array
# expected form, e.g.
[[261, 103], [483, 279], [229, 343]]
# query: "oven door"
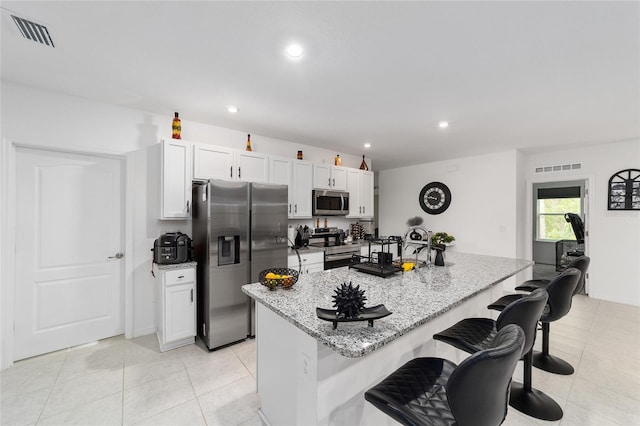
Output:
[[339, 260]]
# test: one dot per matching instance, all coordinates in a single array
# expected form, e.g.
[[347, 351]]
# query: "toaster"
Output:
[[172, 247]]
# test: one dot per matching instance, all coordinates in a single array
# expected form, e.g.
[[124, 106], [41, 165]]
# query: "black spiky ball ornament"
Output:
[[349, 300]]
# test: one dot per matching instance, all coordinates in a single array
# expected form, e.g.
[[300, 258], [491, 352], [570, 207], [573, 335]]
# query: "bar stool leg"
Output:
[[544, 361], [531, 401]]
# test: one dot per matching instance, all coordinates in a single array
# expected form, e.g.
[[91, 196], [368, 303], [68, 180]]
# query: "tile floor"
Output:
[[127, 382]]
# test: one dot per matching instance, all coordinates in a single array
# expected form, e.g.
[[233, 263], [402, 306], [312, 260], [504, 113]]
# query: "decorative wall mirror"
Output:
[[624, 190]]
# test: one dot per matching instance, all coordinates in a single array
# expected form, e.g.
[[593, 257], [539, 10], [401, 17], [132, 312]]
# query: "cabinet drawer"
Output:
[[179, 276]]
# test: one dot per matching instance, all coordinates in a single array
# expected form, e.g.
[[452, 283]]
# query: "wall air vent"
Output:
[[559, 168], [33, 31]]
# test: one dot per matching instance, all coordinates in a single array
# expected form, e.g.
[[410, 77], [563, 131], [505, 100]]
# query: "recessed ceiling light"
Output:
[[232, 109], [295, 50], [443, 124], [367, 145]]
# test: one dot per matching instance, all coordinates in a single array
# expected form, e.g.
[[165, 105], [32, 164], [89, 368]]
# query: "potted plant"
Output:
[[440, 240]]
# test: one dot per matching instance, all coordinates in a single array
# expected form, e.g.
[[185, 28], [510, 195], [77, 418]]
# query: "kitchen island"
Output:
[[310, 374]]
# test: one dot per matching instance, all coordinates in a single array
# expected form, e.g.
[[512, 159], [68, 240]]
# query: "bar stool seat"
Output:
[[434, 391]]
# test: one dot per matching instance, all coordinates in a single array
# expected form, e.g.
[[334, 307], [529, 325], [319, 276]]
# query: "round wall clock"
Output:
[[435, 198]]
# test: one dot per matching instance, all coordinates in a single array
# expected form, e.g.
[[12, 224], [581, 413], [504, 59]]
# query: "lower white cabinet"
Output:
[[177, 307], [311, 262]]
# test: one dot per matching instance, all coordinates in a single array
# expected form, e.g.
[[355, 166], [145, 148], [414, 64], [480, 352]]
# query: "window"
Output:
[[552, 204]]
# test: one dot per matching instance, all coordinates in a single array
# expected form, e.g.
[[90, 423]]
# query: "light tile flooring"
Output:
[[123, 382]]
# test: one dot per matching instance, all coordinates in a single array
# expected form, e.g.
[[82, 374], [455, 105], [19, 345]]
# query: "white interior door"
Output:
[[69, 239]]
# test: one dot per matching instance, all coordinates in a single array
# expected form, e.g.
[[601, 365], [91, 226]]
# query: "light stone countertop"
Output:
[[174, 266], [413, 297]]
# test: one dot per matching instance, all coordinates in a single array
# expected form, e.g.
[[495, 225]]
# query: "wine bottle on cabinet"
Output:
[[338, 160], [363, 165], [248, 142], [176, 127]]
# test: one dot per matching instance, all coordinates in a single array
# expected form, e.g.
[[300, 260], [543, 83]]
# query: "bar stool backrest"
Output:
[[526, 313], [561, 290], [478, 389]]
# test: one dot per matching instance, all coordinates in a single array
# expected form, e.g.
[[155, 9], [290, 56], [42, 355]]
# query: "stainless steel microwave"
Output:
[[330, 203]]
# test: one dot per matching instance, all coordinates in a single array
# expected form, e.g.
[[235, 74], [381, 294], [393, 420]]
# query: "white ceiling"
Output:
[[529, 75]]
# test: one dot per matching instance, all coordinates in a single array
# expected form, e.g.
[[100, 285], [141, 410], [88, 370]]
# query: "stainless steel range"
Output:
[[337, 253]]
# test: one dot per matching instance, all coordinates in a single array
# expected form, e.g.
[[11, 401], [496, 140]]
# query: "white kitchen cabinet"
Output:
[[329, 177], [177, 308], [215, 162], [360, 188], [280, 173], [311, 262], [302, 185], [176, 175], [298, 175]]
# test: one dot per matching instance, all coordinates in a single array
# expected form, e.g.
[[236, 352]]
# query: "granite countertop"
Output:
[[177, 266], [304, 250], [413, 297]]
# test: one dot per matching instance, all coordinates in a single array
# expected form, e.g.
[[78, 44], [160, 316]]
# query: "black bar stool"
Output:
[[580, 263], [472, 334], [560, 291], [434, 391]]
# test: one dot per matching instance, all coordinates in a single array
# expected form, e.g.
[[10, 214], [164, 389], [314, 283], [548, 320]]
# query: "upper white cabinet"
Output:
[[212, 162], [215, 162], [360, 188], [302, 186], [298, 175], [176, 176], [329, 177]]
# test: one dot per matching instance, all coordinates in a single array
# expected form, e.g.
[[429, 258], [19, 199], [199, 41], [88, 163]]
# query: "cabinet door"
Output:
[[212, 162], [353, 188], [179, 312], [280, 173], [252, 167], [339, 178], [176, 180], [321, 176], [303, 172], [366, 194]]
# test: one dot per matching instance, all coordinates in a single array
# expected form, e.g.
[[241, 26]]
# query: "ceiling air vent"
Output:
[[33, 31], [559, 168]]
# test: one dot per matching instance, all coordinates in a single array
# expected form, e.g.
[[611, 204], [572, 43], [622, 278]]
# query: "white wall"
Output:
[[482, 215], [491, 208], [47, 119], [614, 236]]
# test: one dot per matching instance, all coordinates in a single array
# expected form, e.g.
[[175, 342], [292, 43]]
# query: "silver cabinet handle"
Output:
[[289, 208], [239, 176], [364, 209], [334, 182], [329, 182], [181, 277], [117, 256], [231, 171], [188, 207], [296, 209]]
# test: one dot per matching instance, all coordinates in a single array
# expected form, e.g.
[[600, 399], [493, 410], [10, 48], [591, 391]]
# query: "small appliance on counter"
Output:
[[172, 248]]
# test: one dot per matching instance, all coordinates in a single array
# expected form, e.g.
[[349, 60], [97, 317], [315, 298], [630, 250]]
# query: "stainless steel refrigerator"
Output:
[[239, 229]]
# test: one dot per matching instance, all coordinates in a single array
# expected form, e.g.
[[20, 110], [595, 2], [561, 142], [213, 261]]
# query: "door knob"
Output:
[[117, 256]]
